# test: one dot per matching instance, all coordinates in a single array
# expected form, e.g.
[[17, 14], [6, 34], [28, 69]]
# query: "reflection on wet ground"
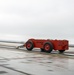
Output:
[[22, 62]]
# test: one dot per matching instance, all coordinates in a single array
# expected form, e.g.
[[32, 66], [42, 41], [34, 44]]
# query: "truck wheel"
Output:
[[48, 47], [42, 50], [29, 45], [61, 51]]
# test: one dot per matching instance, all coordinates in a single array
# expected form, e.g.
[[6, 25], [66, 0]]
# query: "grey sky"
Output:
[[52, 19]]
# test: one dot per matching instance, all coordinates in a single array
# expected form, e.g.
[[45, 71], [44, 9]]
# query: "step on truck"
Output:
[[47, 45]]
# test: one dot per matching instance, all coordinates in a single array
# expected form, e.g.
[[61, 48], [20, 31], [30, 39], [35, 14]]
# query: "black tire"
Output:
[[42, 50], [61, 51], [29, 45], [48, 47]]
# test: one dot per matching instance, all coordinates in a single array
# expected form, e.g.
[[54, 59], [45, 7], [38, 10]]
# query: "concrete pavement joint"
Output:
[[15, 70]]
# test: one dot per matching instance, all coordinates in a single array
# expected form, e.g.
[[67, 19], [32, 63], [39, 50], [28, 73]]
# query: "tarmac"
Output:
[[22, 62]]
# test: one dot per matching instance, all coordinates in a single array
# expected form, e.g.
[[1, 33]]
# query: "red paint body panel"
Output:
[[57, 44]]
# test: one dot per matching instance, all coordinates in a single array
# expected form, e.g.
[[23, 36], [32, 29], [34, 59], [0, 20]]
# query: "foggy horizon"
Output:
[[44, 19]]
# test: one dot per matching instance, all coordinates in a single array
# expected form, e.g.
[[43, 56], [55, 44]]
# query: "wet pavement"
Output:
[[22, 62]]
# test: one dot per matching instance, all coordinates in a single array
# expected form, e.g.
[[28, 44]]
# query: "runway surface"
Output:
[[22, 62]]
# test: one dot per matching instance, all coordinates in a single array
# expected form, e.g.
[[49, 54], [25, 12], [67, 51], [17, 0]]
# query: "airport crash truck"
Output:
[[47, 45]]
